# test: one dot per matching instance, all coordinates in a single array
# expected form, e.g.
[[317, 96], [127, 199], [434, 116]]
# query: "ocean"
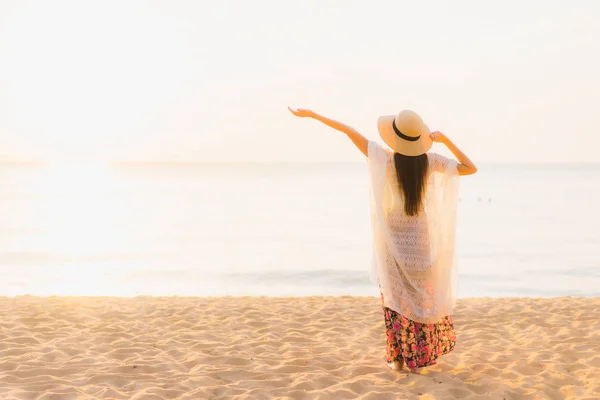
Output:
[[279, 230]]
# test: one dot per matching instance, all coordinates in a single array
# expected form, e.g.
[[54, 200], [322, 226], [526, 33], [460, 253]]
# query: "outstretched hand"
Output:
[[302, 113]]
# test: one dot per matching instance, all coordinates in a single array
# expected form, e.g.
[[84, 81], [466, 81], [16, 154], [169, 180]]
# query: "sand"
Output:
[[294, 348]]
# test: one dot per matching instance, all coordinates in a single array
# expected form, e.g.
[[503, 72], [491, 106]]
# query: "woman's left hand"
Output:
[[302, 113]]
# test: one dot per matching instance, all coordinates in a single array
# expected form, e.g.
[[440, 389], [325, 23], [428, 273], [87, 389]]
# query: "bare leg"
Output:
[[396, 365]]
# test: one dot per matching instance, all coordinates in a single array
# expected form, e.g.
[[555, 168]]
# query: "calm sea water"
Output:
[[282, 229]]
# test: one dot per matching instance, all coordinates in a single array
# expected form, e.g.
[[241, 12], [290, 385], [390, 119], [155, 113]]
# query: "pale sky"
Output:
[[510, 81]]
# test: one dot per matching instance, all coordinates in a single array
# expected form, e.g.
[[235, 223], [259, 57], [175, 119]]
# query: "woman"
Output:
[[413, 209]]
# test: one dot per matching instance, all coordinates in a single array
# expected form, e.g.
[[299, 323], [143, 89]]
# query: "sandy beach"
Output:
[[288, 348]]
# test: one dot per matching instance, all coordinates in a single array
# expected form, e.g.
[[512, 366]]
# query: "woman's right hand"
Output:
[[465, 166], [439, 137]]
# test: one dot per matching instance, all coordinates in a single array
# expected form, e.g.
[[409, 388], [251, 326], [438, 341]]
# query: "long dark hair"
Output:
[[411, 173]]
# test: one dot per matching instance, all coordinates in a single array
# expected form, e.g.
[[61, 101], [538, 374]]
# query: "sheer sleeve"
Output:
[[376, 153], [438, 162]]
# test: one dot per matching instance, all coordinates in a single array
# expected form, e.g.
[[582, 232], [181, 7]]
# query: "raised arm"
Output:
[[359, 140], [466, 166]]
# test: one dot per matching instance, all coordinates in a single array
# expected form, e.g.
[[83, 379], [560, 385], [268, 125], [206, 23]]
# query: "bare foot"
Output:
[[396, 365]]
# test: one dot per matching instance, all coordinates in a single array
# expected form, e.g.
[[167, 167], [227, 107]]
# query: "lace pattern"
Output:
[[414, 261]]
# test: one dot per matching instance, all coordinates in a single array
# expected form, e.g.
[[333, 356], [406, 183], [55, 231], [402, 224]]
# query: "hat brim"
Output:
[[399, 145]]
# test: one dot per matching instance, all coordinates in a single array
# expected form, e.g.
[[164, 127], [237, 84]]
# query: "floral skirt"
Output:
[[417, 344]]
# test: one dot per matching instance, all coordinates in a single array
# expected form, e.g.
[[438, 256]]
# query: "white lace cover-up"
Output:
[[414, 259]]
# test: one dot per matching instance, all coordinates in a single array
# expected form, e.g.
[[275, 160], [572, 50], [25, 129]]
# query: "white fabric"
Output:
[[414, 260]]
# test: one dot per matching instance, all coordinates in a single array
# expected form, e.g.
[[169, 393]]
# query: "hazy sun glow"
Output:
[[76, 222], [197, 81], [79, 217]]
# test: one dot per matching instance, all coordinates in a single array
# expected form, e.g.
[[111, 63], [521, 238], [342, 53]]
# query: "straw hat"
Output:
[[405, 133]]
